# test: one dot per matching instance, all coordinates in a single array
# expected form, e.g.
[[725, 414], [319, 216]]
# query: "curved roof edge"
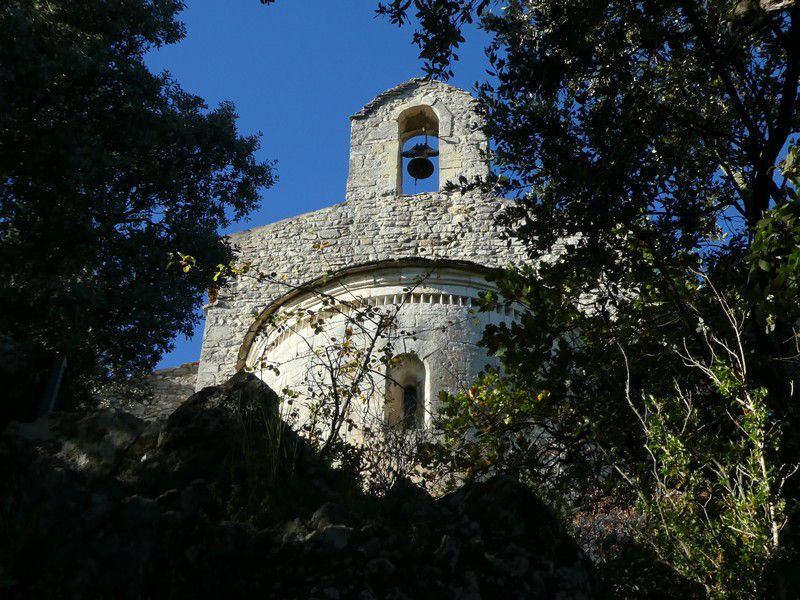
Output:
[[311, 284], [383, 97]]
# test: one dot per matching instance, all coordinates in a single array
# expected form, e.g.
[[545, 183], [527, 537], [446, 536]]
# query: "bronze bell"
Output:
[[420, 168], [420, 165]]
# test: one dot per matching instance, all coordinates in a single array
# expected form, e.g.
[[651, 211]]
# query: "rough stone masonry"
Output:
[[377, 222]]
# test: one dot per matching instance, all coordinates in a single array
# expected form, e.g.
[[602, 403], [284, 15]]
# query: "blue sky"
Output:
[[295, 71]]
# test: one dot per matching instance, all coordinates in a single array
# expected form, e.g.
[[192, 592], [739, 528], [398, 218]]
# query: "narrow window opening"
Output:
[[405, 393], [410, 394], [418, 160]]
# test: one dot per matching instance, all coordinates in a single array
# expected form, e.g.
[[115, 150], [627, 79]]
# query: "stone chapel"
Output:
[[425, 255]]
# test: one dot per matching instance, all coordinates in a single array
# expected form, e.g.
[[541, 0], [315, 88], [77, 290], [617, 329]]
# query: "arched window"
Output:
[[419, 141], [405, 393]]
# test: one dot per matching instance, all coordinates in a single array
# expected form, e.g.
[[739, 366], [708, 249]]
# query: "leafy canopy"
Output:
[[653, 146], [105, 169]]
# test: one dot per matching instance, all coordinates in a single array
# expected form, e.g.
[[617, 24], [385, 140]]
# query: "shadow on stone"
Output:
[[223, 499]]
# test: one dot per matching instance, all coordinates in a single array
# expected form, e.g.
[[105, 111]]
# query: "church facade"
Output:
[[419, 259]]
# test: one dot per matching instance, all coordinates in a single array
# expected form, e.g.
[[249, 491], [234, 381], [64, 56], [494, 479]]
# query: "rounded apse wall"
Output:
[[347, 325]]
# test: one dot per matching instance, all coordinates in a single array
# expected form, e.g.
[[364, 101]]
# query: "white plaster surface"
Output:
[[433, 315]]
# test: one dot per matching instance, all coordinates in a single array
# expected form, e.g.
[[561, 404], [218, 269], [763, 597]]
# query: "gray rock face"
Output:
[[107, 505], [774, 5], [154, 396]]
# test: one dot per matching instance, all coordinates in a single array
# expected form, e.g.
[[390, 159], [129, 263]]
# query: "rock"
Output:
[[40, 432], [329, 513], [448, 551], [471, 589], [410, 499], [94, 444], [775, 5], [370, 548], [335, 536], [101, 441], [294, 531], [169, 499], [85, 516], [380, 568], [196, 498], [200, 436], [396, 594]]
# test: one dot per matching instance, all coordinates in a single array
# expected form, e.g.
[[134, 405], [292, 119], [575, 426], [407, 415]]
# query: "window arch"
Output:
[[405, 393]]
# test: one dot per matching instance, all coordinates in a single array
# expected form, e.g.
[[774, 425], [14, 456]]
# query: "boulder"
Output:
[[106, 505]]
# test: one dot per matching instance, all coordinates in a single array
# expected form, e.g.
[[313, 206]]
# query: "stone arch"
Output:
[[406, 392], [259, 322], [435, 324], [415, 120], [412, 122]]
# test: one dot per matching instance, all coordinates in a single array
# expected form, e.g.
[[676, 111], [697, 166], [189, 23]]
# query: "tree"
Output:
[[654, 149], [106, 169]]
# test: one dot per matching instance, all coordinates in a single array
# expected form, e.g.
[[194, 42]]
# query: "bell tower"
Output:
[[419, 109]]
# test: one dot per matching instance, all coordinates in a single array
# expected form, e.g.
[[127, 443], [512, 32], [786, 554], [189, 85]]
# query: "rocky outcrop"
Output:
[[153, 396], [223, 500]]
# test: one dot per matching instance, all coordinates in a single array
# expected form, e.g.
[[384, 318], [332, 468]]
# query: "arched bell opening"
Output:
[[405, 393], [418, 163], [420, 168]]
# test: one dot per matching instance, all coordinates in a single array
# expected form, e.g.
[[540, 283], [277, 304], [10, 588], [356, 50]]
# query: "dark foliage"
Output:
[[653, 146], [106, 169]]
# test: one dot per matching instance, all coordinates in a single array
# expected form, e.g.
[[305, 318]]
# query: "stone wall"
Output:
[[375, 142], [431, 306], [154, 396], [172, 386], [306, 247], [375, 224]]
